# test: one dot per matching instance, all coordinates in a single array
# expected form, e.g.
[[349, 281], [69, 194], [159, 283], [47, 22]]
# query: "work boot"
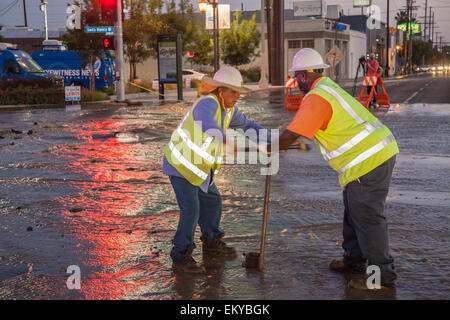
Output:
[[188, 264], [218, 247], [340, 266]]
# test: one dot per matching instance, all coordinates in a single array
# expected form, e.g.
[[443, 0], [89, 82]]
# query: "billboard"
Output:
[[414, 27], [308, 8], [361, 3], [224, 17]]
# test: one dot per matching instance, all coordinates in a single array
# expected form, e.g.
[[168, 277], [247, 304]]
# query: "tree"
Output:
[[89, 45], [238, 44], [402, 17], [180, 20], [202, 47], [147, 19], [140, 30]]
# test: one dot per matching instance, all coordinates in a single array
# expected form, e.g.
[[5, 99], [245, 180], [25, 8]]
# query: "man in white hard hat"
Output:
[[362, 150], [193, 157]]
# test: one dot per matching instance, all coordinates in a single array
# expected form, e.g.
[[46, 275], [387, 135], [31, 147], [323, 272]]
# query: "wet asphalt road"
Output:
[[419, 88], [85, 188]]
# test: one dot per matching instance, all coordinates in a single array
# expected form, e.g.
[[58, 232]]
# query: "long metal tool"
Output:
[[255, 260], [264, 223]]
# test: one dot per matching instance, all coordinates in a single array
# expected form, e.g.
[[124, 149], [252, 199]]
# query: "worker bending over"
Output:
[[362, 150]]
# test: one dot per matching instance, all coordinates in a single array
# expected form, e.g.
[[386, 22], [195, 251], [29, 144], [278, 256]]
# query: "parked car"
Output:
[[187, 74], [191, 74]]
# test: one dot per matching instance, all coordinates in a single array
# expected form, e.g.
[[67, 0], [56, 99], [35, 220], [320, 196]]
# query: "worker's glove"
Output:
[[300, 146]]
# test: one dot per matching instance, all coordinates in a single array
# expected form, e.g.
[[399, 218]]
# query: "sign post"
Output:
[[72, 94], [334, 56], [170, 63]]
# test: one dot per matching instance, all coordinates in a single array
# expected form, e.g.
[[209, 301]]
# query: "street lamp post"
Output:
[[214, 4], [43, 8], [263, 80]]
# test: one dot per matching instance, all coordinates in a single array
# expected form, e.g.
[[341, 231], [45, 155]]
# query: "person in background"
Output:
[[373, 67]]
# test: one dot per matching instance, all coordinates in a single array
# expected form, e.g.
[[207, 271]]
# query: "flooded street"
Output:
[[85, 188]]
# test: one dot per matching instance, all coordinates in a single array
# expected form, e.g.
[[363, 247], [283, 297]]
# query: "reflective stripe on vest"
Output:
[[183, 148], [198, 150], [368, 153], [354, 138], [185, 162], [352, 142]]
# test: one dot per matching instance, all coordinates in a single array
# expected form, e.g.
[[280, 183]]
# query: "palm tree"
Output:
[[402, 17]]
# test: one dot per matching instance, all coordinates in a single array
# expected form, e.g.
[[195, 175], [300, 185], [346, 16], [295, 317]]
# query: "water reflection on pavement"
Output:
[[86, 189]]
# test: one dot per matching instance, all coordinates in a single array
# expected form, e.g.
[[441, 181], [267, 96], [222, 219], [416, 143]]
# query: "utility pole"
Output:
[[425, 24], [388, 36], [432, 32], [275, 30], [408, 33], [263, 79], [25, 13], [119, 34], [429, 27]]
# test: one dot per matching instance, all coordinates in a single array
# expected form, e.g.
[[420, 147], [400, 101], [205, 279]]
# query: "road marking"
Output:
[[412, 96]]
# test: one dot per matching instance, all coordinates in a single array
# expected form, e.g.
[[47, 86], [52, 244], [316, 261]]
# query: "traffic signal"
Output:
[[108, 43], [109, 10]]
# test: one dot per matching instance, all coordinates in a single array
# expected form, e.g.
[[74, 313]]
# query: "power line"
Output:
[[8, 7]]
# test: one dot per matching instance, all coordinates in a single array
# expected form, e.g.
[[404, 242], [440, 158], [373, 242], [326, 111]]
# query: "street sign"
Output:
[[334, 56], [103, 29], [224, 17], [73, 93], [361, 3]]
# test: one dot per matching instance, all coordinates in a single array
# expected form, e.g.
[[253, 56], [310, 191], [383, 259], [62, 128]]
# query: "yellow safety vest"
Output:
[[355, 142], [192, 152]]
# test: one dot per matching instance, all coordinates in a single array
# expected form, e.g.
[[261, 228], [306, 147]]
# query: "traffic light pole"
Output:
[[119, 54]]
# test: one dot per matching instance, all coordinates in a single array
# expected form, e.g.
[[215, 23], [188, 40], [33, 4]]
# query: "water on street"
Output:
[[85, 188]]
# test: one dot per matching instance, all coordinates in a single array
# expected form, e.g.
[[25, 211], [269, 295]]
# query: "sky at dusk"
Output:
[[11, 11]]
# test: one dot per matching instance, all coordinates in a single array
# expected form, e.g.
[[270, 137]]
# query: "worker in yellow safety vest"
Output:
[[193, 157], [362, 150]]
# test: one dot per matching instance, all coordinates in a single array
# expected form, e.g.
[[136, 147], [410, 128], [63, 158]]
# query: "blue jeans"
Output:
[[365, 227], [196, 207]]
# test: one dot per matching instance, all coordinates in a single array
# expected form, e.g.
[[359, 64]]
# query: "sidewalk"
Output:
[[189, 95], [350, 82]]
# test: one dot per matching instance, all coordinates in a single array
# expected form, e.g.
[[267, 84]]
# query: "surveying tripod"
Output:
[[362, 65]]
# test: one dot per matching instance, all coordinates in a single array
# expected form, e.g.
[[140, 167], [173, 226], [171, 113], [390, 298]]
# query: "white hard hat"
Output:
[[307, 59], [227, 77]]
